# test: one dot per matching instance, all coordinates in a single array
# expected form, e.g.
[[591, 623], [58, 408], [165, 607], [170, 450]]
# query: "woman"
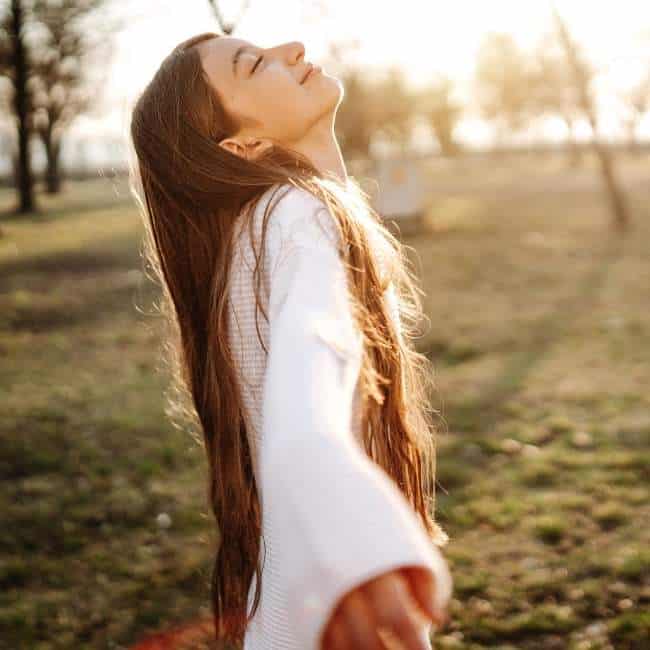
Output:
[[314, 416]]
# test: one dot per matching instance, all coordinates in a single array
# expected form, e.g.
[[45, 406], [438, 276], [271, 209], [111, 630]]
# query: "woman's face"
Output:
[[264, 88]]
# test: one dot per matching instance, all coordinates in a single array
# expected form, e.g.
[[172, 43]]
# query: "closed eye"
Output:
[[257, 63]]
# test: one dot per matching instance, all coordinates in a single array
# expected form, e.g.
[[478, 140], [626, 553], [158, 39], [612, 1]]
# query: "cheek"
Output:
[[284, 98], [283, 86]]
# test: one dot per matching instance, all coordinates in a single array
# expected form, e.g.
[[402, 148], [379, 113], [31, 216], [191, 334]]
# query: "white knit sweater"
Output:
[[331, 517]]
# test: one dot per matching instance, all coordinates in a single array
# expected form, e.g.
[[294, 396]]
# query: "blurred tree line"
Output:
[[49, 48], [513, 90]]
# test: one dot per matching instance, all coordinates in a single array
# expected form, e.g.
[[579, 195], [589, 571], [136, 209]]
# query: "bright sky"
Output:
[[423, 37]]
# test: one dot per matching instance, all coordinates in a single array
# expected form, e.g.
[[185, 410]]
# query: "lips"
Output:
[[311, 67]]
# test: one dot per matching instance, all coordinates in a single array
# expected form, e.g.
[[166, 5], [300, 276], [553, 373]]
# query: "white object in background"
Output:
[[400, 193]]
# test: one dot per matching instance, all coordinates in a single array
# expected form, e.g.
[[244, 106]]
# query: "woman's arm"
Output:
[[346, 521]]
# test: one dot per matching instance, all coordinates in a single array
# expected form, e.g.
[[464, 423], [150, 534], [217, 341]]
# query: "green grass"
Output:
[[539, 334]]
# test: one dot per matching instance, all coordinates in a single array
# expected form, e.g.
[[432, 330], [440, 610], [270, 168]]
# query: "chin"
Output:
[[333, 99], [336, 85], [341, 90]]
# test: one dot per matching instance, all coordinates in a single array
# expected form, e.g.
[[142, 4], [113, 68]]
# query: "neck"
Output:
[[322, 148]]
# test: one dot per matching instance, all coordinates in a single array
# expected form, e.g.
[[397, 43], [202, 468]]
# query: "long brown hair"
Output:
[[190, 192]]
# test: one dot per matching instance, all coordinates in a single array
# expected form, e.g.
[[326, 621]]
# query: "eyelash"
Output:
[[257, 63]]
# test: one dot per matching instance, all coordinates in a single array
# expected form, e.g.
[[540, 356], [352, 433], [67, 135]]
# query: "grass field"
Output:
[[539, 329]]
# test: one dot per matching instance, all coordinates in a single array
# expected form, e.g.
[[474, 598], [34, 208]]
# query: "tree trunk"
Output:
[[24, 177], [621, 217], [632, 129], [52, 172], [445, 141], [575, 156]]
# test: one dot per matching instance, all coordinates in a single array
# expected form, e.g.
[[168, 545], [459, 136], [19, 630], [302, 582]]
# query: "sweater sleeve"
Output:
[[345, 519]]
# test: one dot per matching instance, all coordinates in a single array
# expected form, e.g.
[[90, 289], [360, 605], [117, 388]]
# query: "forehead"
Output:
[[216, 56]]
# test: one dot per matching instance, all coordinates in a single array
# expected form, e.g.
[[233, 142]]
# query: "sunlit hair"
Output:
[[190, 193]]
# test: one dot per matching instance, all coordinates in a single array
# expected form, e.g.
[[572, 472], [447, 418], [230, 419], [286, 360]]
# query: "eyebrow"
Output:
[[235, 57]]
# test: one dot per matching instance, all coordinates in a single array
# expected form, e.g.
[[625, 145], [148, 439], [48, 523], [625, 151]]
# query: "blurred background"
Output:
[[508, 144]]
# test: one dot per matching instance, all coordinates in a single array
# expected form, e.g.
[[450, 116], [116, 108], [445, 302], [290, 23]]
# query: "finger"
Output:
[[391, 642], [361, 624], [394, 609], [422, 583]]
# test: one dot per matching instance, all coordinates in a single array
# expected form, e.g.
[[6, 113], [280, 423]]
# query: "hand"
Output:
[[399, 602]]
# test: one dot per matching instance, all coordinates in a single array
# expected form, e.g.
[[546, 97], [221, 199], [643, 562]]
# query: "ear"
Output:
[[249, 149]]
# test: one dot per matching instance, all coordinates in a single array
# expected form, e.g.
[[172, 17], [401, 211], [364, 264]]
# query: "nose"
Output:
[[298, 51], [291, 52]]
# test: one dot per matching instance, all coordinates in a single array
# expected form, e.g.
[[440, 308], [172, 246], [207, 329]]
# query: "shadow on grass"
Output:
[[483, 414], [122, 253], [94, 308]]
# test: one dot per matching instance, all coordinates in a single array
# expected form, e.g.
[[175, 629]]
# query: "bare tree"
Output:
[[394, 108], [581, 78], [71, 34], [502, 78], [442, 113], [15, 67], [7, 144], [6, 49], [637, 103], [553, 89]]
